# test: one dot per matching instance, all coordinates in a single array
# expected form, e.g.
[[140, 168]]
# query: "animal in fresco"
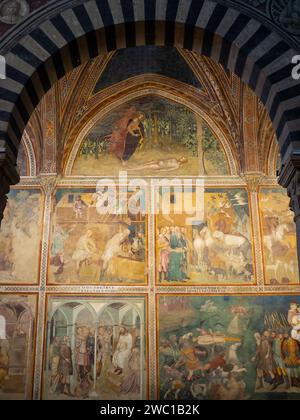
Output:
[[282, 255], [176, 387], [232, 250], [127, 135], [112, 249], [217, 272], [85, 249], [209, 307], [175, 381], [235, 264], [226, 372], [232, 242], [4, 365], [173, 373]]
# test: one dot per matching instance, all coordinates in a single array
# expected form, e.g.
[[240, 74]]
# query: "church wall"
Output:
[[212, 307], [211, 286]]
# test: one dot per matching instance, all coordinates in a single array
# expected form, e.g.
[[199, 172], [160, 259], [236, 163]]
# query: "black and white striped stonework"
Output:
[[65, 34]]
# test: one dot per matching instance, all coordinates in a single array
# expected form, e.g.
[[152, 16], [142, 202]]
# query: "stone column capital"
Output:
[[48, 183], [253, 180]]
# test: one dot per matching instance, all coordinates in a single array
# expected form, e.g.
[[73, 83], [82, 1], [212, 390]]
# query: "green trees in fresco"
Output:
[[212, 151], [165, 124], [169, 127]]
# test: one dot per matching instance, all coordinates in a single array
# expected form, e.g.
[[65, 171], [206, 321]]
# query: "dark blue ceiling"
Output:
[[129, 62]]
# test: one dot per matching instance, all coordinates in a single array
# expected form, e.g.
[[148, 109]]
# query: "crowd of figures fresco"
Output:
[[212, 245], [96, 348], [17, 332], [228, 347]]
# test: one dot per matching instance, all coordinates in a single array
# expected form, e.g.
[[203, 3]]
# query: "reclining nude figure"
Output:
[[171, 164]]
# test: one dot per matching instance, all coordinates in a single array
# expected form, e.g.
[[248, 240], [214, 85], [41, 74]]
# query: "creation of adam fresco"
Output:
[[228, 347], [211, 245], [96, 348], [150, 136], [149, 202], [92, 248], [20, 237]]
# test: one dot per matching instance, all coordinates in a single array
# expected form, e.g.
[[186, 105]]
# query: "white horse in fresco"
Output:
[[276, 235], [225, 244]]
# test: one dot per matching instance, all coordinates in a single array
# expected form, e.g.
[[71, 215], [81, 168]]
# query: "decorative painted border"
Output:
[[33, 338], [175, 97], [103, 284], [87, 297], [254, 247]]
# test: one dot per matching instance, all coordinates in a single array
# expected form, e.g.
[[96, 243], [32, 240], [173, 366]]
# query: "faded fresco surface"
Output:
[[22, 161], [229, 347], [17, 332], [96, 348], [92, 248], [279, 237], [153, 137], [211, 245], [20, 237]]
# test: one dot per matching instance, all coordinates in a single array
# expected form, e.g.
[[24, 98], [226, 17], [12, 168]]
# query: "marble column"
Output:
[[289, 178]]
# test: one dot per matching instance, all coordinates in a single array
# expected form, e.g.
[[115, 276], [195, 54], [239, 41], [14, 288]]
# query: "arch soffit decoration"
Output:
[[138, 90], [30, 155], [272, 158], [248, 51]]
